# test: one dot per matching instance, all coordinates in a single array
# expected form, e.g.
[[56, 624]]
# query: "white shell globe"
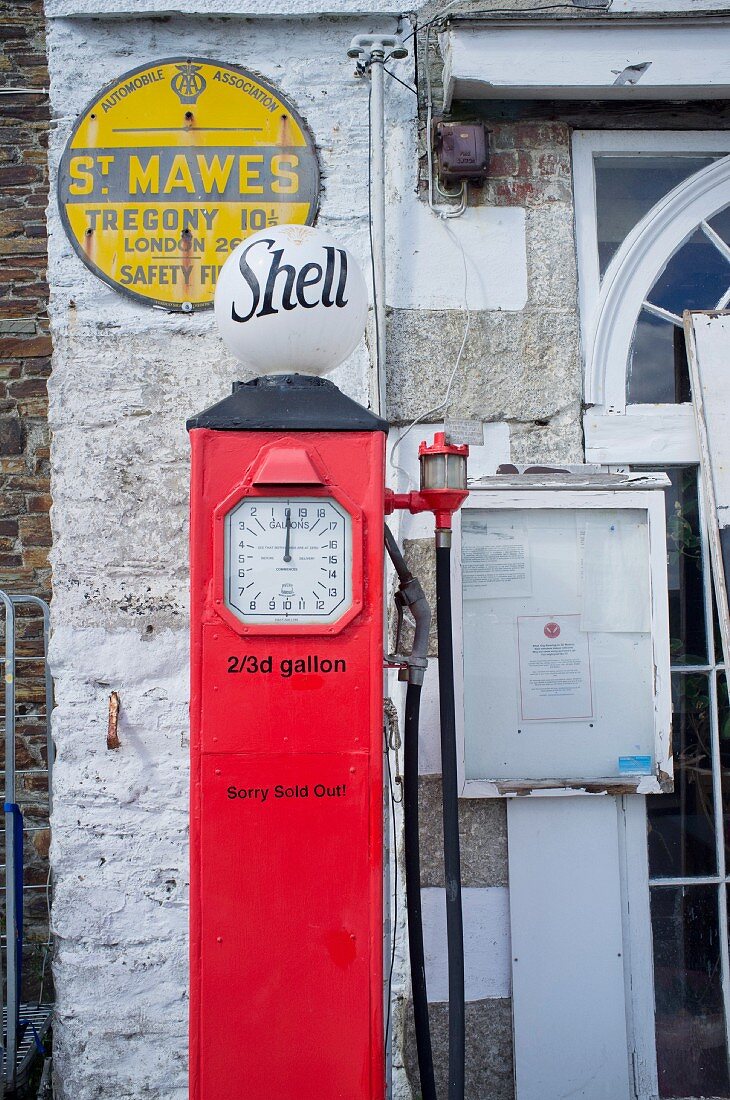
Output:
[[291, 299]]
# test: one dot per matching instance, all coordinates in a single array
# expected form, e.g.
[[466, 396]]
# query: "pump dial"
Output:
[[288, 560]]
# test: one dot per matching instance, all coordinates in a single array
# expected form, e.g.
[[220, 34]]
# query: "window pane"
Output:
[[658, 371], [681, 826], [716, 635], [721, 224], [628, 187], [696, 277], [723, 722], [690, 1022], [685, 574]]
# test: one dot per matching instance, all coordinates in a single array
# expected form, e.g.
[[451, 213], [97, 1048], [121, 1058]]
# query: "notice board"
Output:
[[564, 640]]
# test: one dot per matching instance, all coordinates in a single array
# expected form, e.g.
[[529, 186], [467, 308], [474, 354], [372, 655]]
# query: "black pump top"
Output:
[[287, 402]]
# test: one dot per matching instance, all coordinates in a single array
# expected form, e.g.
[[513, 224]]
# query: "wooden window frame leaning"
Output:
[[642, 491]]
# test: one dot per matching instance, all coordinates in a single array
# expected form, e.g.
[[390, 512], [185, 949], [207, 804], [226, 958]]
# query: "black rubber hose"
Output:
[[399, 563], [412, 591], [413, 892], [452, 857]]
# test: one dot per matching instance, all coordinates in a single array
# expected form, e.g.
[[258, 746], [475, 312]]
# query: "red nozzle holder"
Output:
[[441, 447], [443, 482]]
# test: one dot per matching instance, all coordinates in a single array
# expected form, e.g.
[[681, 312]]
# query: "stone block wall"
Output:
[[25, 358], [519, 367], [25, 343]]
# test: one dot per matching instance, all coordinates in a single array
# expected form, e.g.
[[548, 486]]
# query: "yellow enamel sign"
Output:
[[171, 166]]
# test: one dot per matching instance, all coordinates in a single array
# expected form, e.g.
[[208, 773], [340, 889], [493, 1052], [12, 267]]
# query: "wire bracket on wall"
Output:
[[366, 48]]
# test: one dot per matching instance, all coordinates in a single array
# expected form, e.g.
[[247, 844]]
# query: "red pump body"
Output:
[[286, 967]]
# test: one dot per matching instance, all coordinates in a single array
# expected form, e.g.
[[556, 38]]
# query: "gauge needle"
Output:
[[287, 555]]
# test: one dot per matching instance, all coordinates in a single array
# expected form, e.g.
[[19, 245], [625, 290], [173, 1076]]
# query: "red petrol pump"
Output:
[[286, 832], [287, 667]]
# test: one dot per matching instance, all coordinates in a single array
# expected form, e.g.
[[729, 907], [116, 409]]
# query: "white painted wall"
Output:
[[487, 962], [125, 378]]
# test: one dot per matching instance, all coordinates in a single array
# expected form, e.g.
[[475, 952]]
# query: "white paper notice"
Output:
[[555, 668], [495, 558]]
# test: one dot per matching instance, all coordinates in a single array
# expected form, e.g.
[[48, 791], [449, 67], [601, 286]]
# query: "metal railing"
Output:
[[16, 1051]]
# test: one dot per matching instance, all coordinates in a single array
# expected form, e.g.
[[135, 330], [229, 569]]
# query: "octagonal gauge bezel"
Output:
[[246, 491]]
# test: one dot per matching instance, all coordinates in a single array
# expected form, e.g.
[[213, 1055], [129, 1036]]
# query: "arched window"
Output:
[[653, 238], [677, 257], [696, 276]]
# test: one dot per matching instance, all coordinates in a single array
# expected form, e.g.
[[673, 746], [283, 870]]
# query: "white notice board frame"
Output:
[[568, 491]]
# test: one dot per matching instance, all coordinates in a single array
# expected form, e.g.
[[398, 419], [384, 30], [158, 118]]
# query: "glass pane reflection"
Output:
[[687, 633], [658, 372], [721, 224], [681, 826], [690, 1022], [696, 277], [628, 187]]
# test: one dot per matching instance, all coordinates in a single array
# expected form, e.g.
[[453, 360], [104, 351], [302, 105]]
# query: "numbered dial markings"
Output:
[[288, 560]]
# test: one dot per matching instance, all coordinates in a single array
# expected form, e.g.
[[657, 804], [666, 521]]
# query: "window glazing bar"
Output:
[[698, 668], [715, 239], [663, 313], [700, 880]]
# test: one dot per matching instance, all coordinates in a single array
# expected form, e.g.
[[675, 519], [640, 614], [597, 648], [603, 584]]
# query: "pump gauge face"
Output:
[[288, 560]]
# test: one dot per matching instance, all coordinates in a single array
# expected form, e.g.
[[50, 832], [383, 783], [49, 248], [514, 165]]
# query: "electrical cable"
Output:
[[394, 922], [408, 87], [49, 942], [450, 798], [504, 11], [451, 212], [412, 596], [442, 215], [432, 410]]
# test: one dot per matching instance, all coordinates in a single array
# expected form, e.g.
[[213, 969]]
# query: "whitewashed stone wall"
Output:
[[125, 377]]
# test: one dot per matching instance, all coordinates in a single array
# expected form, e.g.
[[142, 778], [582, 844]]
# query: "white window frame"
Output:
[[614, 431], [635, 493]]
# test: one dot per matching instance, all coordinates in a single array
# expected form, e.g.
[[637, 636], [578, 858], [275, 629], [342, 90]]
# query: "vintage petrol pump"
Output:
[[287, 534], [286, 828]]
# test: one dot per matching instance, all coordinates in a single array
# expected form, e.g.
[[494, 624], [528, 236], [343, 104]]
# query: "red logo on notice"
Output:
[[552, 630]]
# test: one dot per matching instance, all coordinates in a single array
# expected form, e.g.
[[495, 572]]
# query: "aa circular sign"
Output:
[[172, 166]]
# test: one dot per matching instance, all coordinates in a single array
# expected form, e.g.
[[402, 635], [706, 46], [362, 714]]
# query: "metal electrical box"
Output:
[[461, 149], [564, 636]]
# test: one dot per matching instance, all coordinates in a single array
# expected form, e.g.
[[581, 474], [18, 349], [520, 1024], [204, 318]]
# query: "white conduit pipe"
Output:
[[371, 52], [377, 145]]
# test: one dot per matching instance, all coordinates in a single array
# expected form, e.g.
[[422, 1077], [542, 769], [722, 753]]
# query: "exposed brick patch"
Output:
[[529, 163]]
